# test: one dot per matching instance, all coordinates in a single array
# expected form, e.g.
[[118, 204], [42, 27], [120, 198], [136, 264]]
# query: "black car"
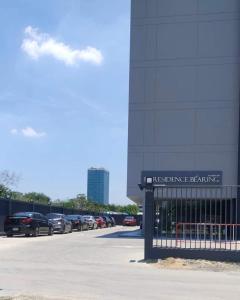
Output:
[[28, 223], [78, 222], [112, 220], [108, 221], [60, 223]]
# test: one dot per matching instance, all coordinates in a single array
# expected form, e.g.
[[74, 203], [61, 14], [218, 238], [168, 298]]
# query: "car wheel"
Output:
[[50, 231], [35, 232], [9, 235], [27, 235]]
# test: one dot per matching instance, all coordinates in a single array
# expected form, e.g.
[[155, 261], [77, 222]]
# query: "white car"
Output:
[[92, 224]]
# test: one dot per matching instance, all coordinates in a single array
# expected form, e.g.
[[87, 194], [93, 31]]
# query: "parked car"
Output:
[[60, 223], [113, 220], [28, 223], [78, 222], [129, 221], [108, 221], [92, 224], [100, 222]]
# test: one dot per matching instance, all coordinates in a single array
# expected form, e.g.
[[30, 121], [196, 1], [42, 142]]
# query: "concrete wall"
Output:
[[184, 88]]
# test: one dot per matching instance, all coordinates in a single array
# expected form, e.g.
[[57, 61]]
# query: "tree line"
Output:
[[9, 180]]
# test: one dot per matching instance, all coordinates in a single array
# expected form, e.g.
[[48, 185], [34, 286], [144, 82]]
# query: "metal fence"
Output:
[[9, 206], [193, 222]]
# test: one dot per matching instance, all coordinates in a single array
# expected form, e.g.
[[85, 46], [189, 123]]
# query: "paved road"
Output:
[[98, 265]]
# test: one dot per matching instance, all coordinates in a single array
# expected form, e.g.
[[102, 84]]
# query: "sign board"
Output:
[[184, 178]]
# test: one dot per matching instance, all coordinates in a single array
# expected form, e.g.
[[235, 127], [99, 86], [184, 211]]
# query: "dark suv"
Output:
[[28, 223]]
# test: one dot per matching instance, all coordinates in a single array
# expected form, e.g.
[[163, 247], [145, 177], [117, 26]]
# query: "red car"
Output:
[[129, 221], [100, 222]]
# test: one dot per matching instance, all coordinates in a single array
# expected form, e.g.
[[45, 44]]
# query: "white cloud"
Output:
[[28, 132], [37, 44], [14, 131]]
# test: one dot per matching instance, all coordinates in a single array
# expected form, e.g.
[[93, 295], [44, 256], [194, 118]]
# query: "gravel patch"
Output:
[[189, 264]]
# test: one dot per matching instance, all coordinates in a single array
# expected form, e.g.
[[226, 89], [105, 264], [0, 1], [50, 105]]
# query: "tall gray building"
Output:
[[184, 88]]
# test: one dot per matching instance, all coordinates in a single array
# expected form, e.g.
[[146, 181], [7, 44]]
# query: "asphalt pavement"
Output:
[[101, 264]]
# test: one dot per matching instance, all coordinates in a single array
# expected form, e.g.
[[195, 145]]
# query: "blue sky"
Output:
[[64, 93]]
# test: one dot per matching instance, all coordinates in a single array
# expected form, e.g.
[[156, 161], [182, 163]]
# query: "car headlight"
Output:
[[59, 223]]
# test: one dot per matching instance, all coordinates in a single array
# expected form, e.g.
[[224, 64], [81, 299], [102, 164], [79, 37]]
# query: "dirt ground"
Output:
[[203, 265]]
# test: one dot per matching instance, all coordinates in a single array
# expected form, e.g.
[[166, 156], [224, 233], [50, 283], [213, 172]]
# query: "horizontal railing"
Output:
[[205, 218], [207, 236]]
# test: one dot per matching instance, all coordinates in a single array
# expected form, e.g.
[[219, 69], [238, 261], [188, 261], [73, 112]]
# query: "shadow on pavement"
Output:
[[135, 234]]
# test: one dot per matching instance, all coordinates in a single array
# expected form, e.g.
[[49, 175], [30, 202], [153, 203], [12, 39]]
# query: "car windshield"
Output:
[[87, 217], [72, 217], [54, 216], [129, 218], [23, 214]]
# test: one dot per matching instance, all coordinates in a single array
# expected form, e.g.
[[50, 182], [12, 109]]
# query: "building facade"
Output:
[[184, 89], [98, 185]]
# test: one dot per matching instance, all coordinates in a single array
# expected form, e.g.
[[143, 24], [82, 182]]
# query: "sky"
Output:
[[64, 71]]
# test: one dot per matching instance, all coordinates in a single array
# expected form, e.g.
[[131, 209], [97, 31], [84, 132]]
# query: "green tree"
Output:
[[37, 197], [17, 196], [8, 179], [5, 192], [130, 209], [81, 202]]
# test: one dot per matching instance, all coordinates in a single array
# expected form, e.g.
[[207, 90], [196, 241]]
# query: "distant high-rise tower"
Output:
[[98, 185]]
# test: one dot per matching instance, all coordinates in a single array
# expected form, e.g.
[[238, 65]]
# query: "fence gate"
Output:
[[192, 222]]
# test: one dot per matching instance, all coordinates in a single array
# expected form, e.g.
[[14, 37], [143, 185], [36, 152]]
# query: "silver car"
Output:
[[92, 224]]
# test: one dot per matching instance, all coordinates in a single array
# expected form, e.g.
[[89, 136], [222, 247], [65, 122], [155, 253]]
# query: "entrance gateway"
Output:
[[190, 214]]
